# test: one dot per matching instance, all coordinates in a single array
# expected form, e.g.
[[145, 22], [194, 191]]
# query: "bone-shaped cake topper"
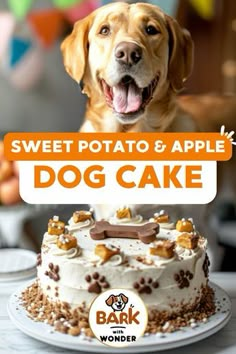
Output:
[[145, 233]]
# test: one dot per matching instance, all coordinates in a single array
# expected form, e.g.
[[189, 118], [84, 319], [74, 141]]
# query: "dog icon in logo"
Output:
[[117, 302]]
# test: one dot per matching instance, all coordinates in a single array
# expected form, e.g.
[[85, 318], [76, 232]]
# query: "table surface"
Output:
[[223, 342]]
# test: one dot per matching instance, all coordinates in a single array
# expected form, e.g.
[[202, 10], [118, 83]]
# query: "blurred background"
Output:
[[36, 94]]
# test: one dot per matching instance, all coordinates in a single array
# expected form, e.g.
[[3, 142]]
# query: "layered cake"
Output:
[[165, 262]]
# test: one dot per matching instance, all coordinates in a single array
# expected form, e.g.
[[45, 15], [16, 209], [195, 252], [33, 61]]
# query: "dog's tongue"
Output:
[[127, 98]]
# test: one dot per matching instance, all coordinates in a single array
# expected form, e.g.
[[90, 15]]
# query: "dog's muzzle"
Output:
[[127, 99]]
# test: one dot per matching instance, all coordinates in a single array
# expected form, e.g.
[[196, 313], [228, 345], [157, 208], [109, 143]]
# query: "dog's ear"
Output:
[[180, 54], [124, 298], [75, 49], [110, 300]]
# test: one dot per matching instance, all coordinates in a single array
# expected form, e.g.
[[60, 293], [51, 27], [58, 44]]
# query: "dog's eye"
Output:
[[151, 30], [105, 31]]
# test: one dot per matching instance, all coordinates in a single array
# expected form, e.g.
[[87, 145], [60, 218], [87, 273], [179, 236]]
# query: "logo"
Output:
[[117, 302], [118, 317]]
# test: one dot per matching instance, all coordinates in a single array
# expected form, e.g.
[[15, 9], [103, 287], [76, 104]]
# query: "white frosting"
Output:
[[50, 239], [164, 225], [123, 270], [71, 253], [116, 260], [167, 225], [79, 225], [137, 219]]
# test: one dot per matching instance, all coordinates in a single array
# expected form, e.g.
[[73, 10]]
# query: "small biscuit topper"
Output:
[[161, 217], [105, 253], [66, 242], [163, 248], [185, 225], [82, 215], [123, 213], [145, 233], [55, 226], [188, 240]]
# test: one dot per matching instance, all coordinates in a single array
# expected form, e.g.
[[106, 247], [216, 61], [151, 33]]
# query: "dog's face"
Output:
[[117, 302], [129, 55]]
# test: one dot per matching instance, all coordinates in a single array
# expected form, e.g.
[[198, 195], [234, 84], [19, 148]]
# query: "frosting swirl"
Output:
[[164, 225], [71, 253], [80, 225], [49, 239], [114, 261], [167, 225], [137, 219]]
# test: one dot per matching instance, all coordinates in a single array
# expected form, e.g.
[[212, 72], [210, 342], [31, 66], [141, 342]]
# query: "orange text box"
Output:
[[117, 146]]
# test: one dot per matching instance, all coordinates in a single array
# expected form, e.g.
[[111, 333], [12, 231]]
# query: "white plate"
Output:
[[17, 264], [44, 333]]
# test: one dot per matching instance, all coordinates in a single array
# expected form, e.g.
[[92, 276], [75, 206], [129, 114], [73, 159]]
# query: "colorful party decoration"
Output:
[[28, 70], [7, 25], [205, 8], [81, 9], [20, 7], [63, 4], [22, 63], [18, 48], [47, 25], [168, 6]]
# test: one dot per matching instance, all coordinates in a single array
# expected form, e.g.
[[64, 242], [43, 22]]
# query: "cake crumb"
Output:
[[75, 322]]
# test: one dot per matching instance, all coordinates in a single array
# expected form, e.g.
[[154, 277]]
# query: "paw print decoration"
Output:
[[97, 283], [183, 278], [53, 272], [145, 286]]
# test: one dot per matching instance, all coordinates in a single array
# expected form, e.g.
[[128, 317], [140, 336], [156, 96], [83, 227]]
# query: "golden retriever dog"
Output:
[[131, 61]]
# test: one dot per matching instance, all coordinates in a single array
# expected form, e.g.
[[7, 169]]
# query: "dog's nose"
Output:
[[128, 53]]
